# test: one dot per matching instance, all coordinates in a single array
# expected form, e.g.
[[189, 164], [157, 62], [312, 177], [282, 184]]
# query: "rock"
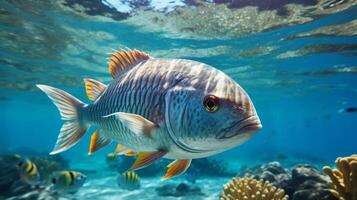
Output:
[[313, 194], [304, 172], [178, 191], [272, 172], [303, 182], [309, 183]]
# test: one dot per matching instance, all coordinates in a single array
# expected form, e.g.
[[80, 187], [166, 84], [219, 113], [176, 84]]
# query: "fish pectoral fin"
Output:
[[176, 168], [94, 88], [145, 159], [97, 141], [136, 123], [119, 150], [119, 61]]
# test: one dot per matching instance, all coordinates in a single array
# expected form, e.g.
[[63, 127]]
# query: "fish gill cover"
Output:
[[296, 60]]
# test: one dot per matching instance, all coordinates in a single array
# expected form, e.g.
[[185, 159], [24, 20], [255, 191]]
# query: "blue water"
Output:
[[297, 82]]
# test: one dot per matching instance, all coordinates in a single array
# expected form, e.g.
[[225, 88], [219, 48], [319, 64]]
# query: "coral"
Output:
[[344, 178], [249, 188]]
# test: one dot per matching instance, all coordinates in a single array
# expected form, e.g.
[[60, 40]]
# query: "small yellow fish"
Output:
[[128, 180], [68, 181], [28, 171]]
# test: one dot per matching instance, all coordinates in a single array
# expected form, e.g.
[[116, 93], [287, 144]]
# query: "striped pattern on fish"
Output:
[[174, 108]]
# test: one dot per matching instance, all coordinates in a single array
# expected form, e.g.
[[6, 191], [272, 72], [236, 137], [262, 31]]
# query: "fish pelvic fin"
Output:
[[176, 168], [145, 159], [69, 106], [94, 88], [119, 61], [97, 141], [136, 123], [121, 150]]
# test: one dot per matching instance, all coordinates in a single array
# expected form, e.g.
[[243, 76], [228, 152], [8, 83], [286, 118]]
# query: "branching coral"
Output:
[[344, 178], [249, 189]]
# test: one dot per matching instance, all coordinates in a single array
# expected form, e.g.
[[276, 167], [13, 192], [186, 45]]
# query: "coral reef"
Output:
[[249, 188], [180, 190], [302, 182], [344, 178]]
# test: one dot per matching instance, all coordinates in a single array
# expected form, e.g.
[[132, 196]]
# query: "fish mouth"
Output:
[[248, 125]]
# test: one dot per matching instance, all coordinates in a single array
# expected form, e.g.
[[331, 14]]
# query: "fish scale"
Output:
[[123, 97]]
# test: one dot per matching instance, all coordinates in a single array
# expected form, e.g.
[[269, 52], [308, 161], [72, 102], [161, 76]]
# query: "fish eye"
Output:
[[211, 103]]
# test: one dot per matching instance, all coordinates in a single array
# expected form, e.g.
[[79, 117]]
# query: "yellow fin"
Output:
[[130, 153], [121, 60], [176, 168], [145, 159], [97, 141], [119, 149], [93, 88]]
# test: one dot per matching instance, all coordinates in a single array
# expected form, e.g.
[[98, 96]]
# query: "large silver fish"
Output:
[[173, 108]]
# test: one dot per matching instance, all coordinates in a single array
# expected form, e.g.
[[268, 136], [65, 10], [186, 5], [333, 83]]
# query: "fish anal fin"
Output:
[[94, 88], [176, 168], [130, 153], [97, 141], [123, 59], [145, 159], [136, 123]]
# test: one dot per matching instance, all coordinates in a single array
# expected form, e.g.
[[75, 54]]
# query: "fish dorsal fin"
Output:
[[97, 142], [94, 88], [123, 59]]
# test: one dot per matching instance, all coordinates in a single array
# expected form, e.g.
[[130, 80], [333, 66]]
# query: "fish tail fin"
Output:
[[69, 107]]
